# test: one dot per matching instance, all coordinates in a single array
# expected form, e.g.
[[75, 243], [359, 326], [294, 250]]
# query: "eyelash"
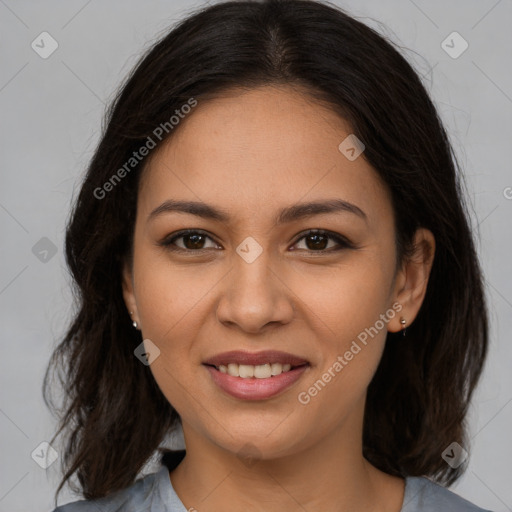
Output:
[[344, 243]]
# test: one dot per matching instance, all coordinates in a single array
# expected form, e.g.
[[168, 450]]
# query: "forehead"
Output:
[[258, 150]]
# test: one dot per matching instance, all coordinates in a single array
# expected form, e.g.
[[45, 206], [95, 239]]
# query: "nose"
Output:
[[255, 295]]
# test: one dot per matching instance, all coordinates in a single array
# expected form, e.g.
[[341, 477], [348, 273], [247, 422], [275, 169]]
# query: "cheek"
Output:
[[169, 296], [169, 300], [348, 305], [347, 299], [339, 385]]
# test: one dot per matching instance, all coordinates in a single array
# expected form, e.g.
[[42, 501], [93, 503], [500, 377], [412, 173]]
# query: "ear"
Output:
[[128, 291], [412, 279]]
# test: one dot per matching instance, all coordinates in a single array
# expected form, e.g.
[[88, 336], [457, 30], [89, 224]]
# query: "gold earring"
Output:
[[134, 323], [402, 321]]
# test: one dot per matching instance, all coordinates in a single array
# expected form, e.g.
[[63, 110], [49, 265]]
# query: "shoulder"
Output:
[[424, 495], [138, 497]]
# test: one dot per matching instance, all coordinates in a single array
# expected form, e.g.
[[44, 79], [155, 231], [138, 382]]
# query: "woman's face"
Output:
[[253, 281]]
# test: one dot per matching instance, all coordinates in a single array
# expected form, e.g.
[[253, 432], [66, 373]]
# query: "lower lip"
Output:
[[253, 388]]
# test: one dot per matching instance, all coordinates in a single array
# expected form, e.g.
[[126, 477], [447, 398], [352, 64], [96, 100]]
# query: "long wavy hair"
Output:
[[113, 414]]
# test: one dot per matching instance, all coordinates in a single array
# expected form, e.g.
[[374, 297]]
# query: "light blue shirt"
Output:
[[155, 493]]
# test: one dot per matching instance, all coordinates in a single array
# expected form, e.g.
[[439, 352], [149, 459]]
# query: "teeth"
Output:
[[245, 371], [260, 371], [233, 370]]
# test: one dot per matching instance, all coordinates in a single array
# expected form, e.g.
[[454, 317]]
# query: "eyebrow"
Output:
[[288, 214]]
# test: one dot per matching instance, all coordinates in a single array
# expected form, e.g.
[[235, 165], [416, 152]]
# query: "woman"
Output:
[[271, 249]]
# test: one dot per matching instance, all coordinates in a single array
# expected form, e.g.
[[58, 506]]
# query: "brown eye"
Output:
[[318, 241], [192, 240]]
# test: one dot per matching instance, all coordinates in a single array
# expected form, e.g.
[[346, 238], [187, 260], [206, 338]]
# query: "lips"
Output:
[[287, 369], [255, 359]]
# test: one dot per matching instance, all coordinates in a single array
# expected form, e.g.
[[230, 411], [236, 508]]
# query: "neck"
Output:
[[331, 475]]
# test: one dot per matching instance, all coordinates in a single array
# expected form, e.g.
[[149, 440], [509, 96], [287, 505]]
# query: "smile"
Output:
[[261, 371], [255, 376]]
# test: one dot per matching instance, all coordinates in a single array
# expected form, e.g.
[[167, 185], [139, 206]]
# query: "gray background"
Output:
[[51, 117]]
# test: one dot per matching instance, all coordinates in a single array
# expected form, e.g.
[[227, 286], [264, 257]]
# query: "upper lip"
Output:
[[255, 358]]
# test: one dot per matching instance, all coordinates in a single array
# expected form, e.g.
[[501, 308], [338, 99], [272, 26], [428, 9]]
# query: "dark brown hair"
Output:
[[115, 415]]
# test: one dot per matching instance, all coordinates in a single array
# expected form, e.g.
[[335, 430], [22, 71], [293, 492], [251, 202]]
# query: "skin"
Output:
[[252, 153]]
